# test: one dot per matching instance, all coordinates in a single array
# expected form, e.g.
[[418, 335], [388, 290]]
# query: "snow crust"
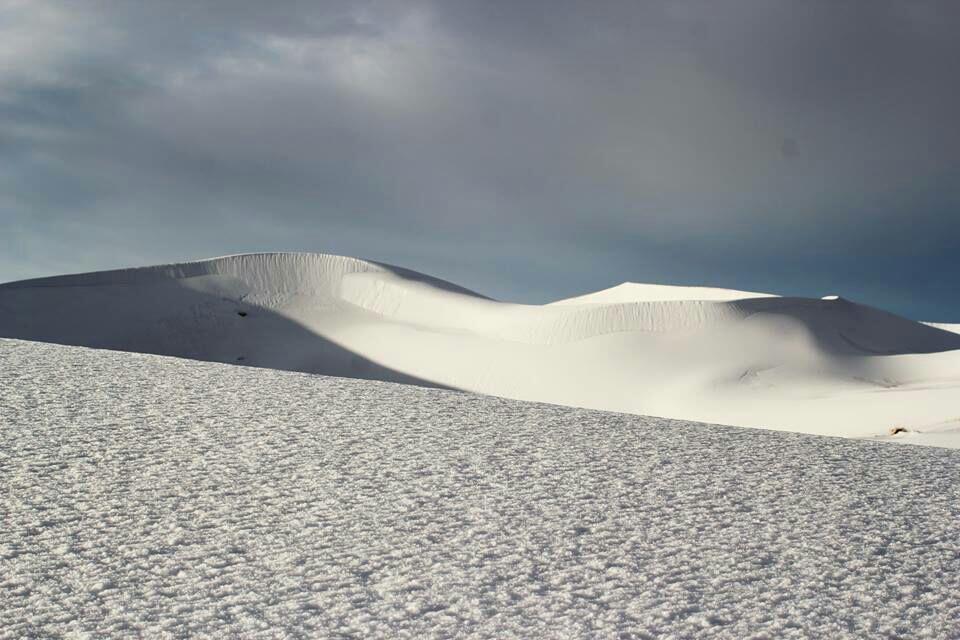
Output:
[[825, 366], [161, 497]]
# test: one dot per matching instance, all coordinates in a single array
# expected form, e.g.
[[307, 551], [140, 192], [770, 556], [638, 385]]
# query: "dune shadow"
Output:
[[845, 328], [162, 316]]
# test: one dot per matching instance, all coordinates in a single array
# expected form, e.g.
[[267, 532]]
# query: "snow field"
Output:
[[153, 496]]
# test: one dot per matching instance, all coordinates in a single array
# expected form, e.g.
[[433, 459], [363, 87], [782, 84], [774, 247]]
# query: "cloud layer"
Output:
[[526, 149]]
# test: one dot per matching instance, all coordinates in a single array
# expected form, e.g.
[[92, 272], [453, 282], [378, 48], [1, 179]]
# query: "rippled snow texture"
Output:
[[164, 497]]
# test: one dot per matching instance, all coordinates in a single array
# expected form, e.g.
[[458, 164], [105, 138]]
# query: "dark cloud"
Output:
[[525, 149]]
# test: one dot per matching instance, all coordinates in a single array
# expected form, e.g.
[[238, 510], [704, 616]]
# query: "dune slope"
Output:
[[827, 366]]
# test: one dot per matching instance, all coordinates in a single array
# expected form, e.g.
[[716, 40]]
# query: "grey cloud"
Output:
[[580, 143]]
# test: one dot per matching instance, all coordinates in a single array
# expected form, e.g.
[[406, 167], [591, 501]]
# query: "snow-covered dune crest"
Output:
[[953, 328], [239, 309], [827, 366]]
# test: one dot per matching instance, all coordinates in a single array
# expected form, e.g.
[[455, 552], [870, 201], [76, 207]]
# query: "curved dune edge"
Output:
[[826, 366], [944, 326], [640, 292]]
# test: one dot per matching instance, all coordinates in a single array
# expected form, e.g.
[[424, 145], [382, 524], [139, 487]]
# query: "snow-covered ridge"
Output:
[[640, 292], [819, 365], [315, 273], [944, 326]]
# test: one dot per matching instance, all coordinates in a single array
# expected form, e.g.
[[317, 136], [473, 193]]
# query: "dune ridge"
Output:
[[827, 366]]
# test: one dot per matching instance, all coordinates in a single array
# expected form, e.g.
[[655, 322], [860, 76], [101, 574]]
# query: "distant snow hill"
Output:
[[826, 366]]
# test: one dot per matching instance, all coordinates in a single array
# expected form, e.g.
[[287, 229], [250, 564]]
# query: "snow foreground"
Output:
[[826, 366], [163, 497]]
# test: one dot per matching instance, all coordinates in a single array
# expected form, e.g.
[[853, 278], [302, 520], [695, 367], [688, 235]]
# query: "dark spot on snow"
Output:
[[242, 314], [895, 430]]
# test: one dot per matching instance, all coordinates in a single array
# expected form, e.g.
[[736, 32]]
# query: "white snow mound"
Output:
[[638, 292], [827, 366]]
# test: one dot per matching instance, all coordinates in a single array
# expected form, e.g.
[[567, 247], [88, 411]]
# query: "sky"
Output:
[[528, 150]]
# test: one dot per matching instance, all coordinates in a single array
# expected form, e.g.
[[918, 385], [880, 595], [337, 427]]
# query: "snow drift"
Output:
[[828, 366]]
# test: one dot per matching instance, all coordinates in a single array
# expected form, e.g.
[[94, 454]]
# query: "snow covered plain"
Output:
[[827, 366], [167, 497]]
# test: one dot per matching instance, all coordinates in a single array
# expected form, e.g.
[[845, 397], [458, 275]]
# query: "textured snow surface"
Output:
[[165, 497]]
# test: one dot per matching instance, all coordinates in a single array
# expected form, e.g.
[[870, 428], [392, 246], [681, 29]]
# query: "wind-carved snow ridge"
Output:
[[146, 496], [827, 366]]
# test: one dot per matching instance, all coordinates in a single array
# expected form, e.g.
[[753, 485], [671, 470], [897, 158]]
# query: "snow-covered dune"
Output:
[[827, 366], [953, 328], [639, 292], [154, 497]]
